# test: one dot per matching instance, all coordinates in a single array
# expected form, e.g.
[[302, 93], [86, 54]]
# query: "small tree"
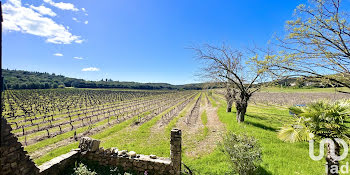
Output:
[[243, 151], [322, 119], [239, 73]]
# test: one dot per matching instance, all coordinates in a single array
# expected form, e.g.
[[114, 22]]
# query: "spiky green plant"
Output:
[[322, 119]]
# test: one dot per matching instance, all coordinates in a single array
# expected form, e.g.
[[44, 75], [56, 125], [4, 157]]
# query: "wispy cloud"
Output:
[[43, 10], [58, 54], [26, 20], [84, 10], [90, 69], [86, 22], [62, 5], [75, 19], [78, 58]]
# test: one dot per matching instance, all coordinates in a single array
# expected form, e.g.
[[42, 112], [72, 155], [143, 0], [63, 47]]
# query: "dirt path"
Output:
[[215, 128], [191, 122]]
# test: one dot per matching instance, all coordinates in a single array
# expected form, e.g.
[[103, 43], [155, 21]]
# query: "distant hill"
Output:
[[310, 81], [19, 79]]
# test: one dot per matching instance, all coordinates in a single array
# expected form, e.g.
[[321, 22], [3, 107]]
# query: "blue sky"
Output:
[[129, 40]]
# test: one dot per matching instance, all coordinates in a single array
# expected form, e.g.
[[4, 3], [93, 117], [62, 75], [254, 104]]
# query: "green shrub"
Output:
[[88, 167], [82, 169], [61, 86], [243, 152]]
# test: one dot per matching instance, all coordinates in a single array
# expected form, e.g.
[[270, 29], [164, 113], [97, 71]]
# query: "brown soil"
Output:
[[216, 128]]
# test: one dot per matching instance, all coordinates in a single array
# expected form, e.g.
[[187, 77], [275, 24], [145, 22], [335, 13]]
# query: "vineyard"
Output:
[[50, 122]]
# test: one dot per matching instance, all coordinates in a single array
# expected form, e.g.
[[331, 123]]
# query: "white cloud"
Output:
[[43, 10], [26, 20], [62, 5], [86, 22], [83, 9], [79, 41], [75, 19], [58, 54], [78, 58], [90, 69]]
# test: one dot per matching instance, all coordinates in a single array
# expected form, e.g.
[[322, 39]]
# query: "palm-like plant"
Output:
[[321, 119]]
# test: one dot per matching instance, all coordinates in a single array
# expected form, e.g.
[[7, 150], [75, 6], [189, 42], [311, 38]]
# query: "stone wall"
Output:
[[57, 164], [151, 164], [15, 161], [131, 161]]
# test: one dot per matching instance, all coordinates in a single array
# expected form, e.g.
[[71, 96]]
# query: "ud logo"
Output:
[[332, 149], [331, 146]]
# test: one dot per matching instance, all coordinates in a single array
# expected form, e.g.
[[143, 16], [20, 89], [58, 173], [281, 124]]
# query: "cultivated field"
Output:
[[49, 123]]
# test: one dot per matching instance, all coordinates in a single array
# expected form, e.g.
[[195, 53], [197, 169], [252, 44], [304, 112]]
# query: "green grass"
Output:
[[57, 152], [212, 101], [202, 135], [205, 130], [204, 117], [279, 157]]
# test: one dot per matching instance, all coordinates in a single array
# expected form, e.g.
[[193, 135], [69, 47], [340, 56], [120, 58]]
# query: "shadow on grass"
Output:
[[280, 120], [259, 125], [256, 117], [271, 115], [262, 171]]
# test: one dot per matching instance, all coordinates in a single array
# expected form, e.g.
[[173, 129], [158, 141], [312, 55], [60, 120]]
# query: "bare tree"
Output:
[[317, 43], [233, 69]]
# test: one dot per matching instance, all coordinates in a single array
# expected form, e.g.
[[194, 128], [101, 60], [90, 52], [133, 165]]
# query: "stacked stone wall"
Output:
[[14, 160], [136, 162], [130, 162]]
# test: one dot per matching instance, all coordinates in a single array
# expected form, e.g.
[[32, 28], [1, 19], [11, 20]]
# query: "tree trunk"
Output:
[[241, 108], [332, 165], [229, 98], [229, 106]]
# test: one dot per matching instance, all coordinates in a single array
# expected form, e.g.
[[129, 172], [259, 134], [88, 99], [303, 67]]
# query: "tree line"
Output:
[[20, 79]]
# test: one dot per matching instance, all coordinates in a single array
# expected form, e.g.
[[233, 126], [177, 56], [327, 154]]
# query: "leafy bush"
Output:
[[82, 169], [244, 152], [88, 167]]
